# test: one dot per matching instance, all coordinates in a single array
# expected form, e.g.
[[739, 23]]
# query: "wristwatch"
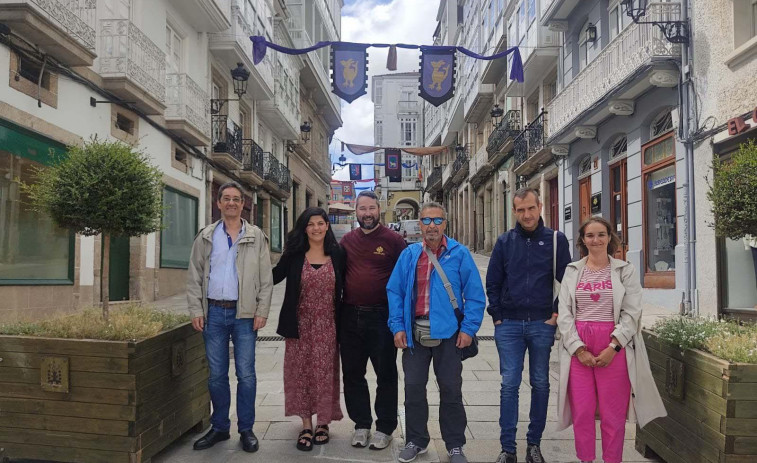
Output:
[[615, 346]]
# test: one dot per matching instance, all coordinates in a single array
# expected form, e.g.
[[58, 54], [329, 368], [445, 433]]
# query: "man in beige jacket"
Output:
[[229, 287]]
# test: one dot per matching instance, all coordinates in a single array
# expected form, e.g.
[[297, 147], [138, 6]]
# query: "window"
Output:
[[583, 47], [407, 132], [619, 20], [379, 93], [584, 168], [275, 226], [181, 159], [24, 76], [379, 133], [173, 51], [179, 228], [531, 10], [619, 148], [33, 250], [744, 22], [124, 125], [662, 124]]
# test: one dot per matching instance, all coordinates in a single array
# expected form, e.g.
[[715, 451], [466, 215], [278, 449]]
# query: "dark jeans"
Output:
[[513, 337], [448, 368], [365, 335], [222, 324]]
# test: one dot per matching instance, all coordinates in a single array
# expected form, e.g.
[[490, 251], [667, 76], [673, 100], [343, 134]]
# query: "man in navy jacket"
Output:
[[519, 287]]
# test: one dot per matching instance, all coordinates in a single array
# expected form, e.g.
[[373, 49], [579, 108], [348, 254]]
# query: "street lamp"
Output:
[[239, 77], [591, 33], [674, 31], [459, 149], [305, 129], [496, 113]]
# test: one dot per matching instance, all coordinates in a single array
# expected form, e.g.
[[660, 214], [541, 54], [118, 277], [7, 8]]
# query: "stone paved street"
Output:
[[480, 391]]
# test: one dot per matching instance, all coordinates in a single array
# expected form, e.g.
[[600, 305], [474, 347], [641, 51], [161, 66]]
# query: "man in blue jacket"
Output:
[[417, 296], [519, 287]]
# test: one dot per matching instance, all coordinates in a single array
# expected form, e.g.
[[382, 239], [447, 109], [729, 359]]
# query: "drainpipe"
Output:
[[688, 114]]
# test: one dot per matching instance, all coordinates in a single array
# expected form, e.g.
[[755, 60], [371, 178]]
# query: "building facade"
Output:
[[725, 62], [398, 122], [156, 75]]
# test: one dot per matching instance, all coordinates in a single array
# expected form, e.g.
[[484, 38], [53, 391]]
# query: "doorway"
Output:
[[554, 205], [619, 206], [584, 200], [118, 285]]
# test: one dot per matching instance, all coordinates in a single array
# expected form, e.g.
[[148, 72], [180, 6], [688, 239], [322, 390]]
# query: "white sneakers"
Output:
[[379, 441], [360, 437]]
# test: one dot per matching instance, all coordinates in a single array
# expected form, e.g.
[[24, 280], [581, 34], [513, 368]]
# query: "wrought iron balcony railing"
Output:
[[227, 137], [434, 178], [531, 140], [276, 172], [252, 157], [508, 127]]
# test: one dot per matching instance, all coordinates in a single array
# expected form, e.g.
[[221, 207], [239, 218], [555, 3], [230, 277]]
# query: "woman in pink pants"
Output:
[[603, 360]]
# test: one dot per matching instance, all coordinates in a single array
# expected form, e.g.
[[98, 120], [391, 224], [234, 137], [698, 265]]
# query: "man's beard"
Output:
[[368, 227]]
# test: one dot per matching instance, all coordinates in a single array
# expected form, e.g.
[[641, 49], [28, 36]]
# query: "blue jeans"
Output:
[[220, 325], [513, 337]]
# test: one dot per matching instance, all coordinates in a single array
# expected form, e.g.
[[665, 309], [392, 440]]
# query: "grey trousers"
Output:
[[448, 368]]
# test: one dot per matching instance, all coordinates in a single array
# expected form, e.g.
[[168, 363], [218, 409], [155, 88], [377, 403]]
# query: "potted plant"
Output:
[[706, 372], [99, 386]]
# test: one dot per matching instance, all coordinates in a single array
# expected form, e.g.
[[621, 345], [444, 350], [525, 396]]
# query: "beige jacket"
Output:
[[645, 402], [253, 272]]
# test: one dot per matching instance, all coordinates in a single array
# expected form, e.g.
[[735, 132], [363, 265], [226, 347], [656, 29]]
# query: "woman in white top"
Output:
[[603, 360]]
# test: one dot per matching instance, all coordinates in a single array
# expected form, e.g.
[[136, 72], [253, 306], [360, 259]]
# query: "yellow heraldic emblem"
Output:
[[379, 251], [439, 74], [349, 72]]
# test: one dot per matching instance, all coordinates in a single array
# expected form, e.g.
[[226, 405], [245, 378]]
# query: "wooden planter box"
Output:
[[711, 404], [100, 401]]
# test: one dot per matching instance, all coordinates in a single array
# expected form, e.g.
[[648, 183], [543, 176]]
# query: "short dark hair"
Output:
[[523, 192], [228, 185], [612, 245], [367, 194]]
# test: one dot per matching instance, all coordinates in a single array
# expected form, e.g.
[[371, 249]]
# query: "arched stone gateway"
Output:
[[406, 209]]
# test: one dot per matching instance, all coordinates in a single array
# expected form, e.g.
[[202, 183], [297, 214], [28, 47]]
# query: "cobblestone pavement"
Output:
[[481, 385]]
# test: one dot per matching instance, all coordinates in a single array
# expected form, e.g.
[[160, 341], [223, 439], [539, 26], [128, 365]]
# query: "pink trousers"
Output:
[[607, 387]]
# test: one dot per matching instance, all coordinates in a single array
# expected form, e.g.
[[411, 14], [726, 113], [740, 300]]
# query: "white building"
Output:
[[145, 73], [398, 122], [725, 40]]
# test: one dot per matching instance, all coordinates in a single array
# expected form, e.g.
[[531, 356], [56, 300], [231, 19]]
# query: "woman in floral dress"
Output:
[[313, 264]]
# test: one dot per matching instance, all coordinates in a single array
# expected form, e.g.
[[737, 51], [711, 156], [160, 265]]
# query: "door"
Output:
[[119, 268], [554, 205], [584, 199], [619, 206]]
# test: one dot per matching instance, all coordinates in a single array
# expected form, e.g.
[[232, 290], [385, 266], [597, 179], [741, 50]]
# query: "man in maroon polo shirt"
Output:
[[372, 250]]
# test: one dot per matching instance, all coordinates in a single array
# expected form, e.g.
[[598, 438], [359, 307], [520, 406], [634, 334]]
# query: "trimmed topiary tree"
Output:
[[733, 193], [101, 187]]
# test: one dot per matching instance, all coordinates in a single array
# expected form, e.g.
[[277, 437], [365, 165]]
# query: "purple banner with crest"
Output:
[[356, 172], [349, 70], [437, 81], [393, 167]]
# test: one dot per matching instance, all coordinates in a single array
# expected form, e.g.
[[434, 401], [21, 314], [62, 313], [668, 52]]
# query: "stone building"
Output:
[[159, 76]]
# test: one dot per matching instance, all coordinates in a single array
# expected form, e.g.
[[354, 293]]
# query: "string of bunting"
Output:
[[349, 65]]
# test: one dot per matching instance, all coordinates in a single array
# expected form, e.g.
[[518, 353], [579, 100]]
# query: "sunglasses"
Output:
[[428, 220]]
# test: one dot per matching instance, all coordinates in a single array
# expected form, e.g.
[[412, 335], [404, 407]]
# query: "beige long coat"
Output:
[[645, 402]]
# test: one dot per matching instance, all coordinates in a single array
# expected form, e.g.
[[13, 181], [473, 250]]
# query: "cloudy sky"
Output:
[[379, 21]]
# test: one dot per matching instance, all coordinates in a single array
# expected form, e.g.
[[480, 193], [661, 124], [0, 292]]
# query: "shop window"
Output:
[[660, 217], [33, 249], [24, 76], [179, 228]]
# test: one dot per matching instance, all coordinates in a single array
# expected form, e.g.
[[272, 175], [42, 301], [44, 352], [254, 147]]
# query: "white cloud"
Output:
[[369, 21]]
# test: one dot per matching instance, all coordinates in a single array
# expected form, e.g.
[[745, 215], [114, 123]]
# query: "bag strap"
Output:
[[445, 281], [554, 255]]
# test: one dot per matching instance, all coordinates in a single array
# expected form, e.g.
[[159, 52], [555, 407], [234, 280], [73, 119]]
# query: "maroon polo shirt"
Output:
[[370, 261]]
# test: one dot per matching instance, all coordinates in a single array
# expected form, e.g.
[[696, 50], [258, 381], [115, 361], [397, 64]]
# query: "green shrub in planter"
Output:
[[732, 193]]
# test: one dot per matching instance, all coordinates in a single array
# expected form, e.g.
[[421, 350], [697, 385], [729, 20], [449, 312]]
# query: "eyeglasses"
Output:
[[235, 200], [428, 220]]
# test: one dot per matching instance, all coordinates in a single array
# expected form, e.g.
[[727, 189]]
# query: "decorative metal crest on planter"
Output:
[[437, 80], [349, 70]]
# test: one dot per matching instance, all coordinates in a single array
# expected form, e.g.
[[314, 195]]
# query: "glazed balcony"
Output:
[[188, 109], [234, 46], [132, 66], [408, 107], [227, 142], [479, 166], [625, 68], [252, 162], [64, 29], [205, 15], [433, 117], [282, 113]]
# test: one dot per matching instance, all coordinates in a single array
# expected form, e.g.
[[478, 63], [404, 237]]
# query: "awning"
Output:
[[341, 207]]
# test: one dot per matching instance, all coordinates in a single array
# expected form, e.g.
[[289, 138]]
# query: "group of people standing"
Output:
[[370, 294]]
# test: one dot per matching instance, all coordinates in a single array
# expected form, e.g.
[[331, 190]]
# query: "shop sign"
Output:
[[568, 212], [596, 203], [737, 125], [654, 184]]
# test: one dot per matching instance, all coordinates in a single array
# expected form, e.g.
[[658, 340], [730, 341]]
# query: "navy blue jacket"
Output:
[[519, 277]]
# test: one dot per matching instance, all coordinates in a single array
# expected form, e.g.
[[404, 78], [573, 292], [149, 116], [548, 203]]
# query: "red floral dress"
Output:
[[311, 363]]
